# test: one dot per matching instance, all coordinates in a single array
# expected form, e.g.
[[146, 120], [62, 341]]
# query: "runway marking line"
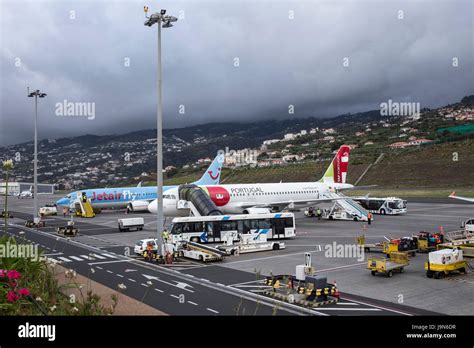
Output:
[[212, 310], [193, 303]]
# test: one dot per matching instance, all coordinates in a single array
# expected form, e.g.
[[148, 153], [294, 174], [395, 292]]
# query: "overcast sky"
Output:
[[289, 52]]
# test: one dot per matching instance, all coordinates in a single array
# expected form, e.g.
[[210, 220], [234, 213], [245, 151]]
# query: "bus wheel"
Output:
[[355, 219], [437, 275], [429, 274], [276, 246], [390, 274], [195, 239], [382, 211]]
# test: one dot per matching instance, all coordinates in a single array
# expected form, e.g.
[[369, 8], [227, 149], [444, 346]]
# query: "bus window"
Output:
[[288, 222], [209, 229], [264, 223], [177, 228], [188, 227], [253, 224], [228, 225], [246, 226], [198, 227]]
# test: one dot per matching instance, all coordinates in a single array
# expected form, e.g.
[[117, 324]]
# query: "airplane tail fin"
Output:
[[212, 175], [337, 170]]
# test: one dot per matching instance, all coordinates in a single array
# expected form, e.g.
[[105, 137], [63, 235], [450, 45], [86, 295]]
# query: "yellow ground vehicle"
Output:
[[397, 262], [445, 261]]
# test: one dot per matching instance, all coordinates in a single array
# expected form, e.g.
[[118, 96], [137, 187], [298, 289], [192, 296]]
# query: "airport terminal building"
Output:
[[15, 187]]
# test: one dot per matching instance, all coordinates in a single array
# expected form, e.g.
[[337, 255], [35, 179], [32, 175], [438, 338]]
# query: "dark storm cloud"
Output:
[[282, 61]]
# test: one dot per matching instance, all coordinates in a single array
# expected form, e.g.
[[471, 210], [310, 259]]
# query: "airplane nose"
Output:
[[63, 202], [153, 207]]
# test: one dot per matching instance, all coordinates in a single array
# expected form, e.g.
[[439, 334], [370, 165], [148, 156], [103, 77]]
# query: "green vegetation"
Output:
[[29, 287], [427, 171]]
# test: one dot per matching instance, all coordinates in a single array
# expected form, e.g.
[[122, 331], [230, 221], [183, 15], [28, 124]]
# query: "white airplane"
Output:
[[467, 199], [26, 194], [137, 198], [264, 198]]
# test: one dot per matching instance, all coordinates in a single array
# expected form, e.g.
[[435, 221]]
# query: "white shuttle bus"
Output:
[[383, 206], [217, 228]]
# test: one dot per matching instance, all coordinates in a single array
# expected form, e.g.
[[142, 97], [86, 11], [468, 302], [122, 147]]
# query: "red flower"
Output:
[[24, 292], [13, 274], [12, 296], [3, 273]]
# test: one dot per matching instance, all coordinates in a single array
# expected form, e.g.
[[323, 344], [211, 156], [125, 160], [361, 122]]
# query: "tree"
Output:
[[7, 166]]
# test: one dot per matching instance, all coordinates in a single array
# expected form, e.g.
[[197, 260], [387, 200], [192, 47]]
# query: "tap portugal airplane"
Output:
[[264, 198], [138, 198]]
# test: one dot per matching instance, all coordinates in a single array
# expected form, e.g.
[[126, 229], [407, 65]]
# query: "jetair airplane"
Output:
[[138, 198]]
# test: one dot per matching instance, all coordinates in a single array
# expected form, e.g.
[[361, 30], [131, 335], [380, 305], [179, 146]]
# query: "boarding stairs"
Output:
[[344, 202], [83, 206]]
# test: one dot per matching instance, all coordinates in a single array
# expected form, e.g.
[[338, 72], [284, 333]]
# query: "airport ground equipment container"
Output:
[[7, 214], [304, 289], [136, 223], [466, 245], [445, 261], [368, 247], [69, 230], [427, 241], [37, 223], [397, 262]]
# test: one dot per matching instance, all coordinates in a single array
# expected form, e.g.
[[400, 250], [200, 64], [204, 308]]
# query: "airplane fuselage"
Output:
[[237, 198]]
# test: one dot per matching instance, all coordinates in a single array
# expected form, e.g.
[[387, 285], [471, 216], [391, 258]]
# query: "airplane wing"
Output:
[[467, 199]]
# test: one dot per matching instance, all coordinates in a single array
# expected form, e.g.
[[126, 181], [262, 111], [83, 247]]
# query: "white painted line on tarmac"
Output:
[[347, 304], [340, 267], [159, 290], [212, 310], [109, 271], [65, 259], [267, 258], [53, 254], [76, 258], [109, 255], [98, 256], [132, 280], [174, 296], [87, 257], [380, 307], [349, 309], [193, 303], [104, 262]]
